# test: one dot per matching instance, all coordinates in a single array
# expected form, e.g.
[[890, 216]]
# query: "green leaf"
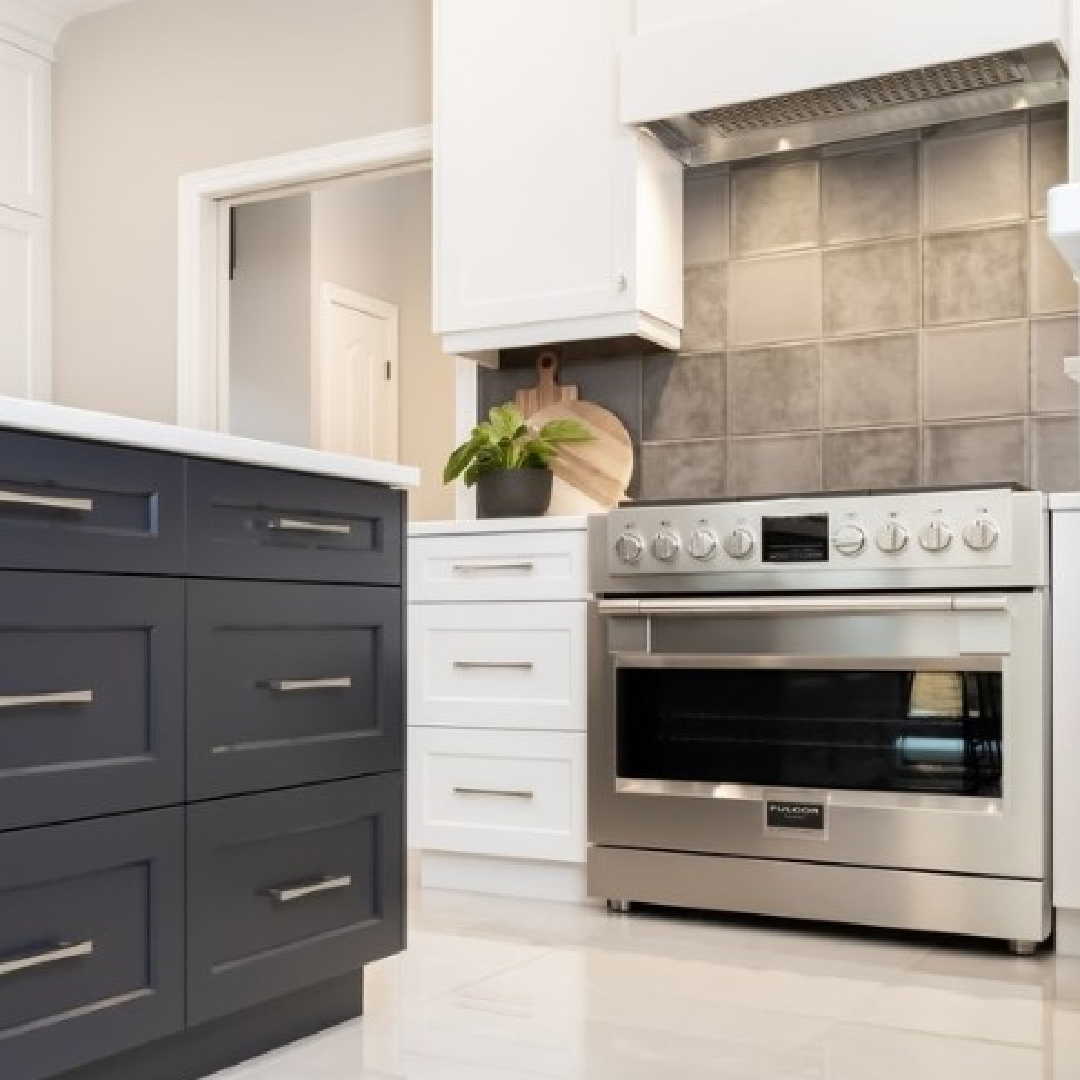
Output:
[[565, 430], [460, 458], [505, 420]]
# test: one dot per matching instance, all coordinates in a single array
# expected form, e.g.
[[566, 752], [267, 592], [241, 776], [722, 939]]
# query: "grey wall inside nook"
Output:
[[875, 315]]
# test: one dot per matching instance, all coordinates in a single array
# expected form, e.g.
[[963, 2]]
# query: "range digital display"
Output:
[[803, 539]]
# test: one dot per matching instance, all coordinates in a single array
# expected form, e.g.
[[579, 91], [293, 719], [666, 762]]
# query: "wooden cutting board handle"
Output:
[[547, 391]]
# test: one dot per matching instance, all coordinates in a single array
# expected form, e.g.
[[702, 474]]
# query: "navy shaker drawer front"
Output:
[[290, 684], [289, 888], [91, 940], [70, 505], [91, 695], [261, 523]]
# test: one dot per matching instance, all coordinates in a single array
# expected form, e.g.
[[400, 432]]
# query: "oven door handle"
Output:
[[772, 662], [803, 605]]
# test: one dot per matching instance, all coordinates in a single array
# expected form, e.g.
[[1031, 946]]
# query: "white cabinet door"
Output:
[[517, 794], [1066, 709], [544, 203], [498, 665], [24, 346], [24, 111]]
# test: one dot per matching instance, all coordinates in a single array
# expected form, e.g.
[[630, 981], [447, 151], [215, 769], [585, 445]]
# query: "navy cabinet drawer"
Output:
[[91, 695], [289, 684], [70, 505], [262, 523], [290, 888], [91, 940]]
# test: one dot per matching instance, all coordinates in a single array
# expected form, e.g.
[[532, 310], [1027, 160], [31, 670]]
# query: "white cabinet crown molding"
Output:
[[31, 26]]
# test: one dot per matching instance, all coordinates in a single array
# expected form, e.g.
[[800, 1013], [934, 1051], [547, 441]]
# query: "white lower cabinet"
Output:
[[497, 715]]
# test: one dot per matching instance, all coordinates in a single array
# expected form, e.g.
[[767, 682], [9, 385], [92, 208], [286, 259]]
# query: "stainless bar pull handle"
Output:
[[66, 950], [285, 894], [499, 793], [301, 525], [46, 502], [479, 567], [64, 697], [521, 665], [289, 686], [783, 605]]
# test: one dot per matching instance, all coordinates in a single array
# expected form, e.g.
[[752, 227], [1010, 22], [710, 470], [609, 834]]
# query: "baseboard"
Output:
[[1067, 931], [222, 1043], [526, 878]]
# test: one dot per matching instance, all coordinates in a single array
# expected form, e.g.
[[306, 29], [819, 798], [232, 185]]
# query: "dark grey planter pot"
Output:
[[513, 493]]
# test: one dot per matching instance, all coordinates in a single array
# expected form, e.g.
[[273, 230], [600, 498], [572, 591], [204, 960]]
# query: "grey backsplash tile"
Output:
[[776, 389], [683, 397], [686, 470], [975, 276], [871, 287], [822, 351], [1056, 453], [871, 380], [973, 371], [976, 452], [775, 465], [870, 196], [705, 307], [886, 458], [774, 208]]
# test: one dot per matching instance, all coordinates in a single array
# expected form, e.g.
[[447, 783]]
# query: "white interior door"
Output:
[[357, 375]]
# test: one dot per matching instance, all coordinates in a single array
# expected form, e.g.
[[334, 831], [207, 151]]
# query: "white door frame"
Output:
[[202, 377], [329, 294]]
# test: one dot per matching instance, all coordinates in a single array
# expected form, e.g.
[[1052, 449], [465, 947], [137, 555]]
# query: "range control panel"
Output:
[[924, 530]]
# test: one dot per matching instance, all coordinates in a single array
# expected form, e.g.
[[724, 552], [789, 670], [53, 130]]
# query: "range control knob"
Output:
[[666, 544], [936, 536], [702, 543], [630, 547], [849, 539], [739, 543], [892, 537], [982, 534]]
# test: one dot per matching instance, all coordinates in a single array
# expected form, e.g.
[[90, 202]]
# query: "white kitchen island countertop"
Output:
[[1065, 500], [470, 526], [19, 414]]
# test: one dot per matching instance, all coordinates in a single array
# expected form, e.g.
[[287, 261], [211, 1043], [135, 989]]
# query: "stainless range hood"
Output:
[[900, 101]]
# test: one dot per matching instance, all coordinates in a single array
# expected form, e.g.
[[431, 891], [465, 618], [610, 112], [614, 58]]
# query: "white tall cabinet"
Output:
[[496, 700], [25, 364], [553, 221]]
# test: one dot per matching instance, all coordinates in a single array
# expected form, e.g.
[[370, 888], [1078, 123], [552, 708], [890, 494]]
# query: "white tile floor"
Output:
[[494, 989]]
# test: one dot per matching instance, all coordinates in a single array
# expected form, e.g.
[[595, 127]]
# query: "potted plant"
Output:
[[509, 462]]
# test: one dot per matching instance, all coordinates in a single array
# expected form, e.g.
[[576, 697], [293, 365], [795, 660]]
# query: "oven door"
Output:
[[906, 731]]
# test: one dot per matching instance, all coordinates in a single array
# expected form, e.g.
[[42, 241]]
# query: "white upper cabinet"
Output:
[[553, 221], [24, 108], [690, 55]]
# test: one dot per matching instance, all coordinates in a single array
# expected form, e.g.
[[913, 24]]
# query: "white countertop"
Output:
[[1065, 500], [44, 418], [497, 525]]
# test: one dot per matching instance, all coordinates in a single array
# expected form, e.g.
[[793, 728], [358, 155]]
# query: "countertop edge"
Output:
[[477, 526], [45, 418], [1065, 500]]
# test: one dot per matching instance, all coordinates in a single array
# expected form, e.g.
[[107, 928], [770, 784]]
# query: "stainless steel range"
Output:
[[825, 708]]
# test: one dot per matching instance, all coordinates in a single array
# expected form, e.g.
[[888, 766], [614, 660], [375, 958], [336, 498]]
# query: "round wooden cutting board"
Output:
[[590, 477]]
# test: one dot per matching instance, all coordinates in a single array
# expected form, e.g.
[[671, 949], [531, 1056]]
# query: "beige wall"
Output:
[[148, 91], [270, 320], [374, 236]]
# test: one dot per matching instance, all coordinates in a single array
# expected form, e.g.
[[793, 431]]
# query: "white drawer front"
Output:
[[519, 794], [498, 665], [493, 566]]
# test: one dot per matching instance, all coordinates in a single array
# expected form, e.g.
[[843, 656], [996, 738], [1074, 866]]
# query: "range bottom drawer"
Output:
[[91, 940], [514, 793], [291, 888]]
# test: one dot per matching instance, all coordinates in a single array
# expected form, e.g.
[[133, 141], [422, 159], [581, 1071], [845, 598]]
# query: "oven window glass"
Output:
[[932, 732]]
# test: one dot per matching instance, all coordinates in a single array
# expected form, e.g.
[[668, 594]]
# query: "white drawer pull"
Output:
[[327, 528], [285, 894], [66, 950], [290, 686], [47, 502], [64, 697], [480, 567], [498, 793], [520, 665]]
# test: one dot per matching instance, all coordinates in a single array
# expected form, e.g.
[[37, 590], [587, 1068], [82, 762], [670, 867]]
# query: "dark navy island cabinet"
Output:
[[201, 756]]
